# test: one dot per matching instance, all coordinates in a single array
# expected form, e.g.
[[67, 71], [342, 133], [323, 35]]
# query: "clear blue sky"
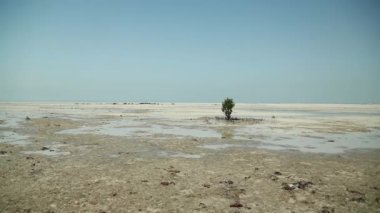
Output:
[[323, 51]]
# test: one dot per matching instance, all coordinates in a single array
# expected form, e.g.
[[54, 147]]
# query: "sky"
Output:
[[269, 51]]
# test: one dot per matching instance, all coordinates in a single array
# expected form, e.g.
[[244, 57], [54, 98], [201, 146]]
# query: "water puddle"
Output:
[[324, 143], [53, 151], [140, 128], [13, 138], [178, 155]]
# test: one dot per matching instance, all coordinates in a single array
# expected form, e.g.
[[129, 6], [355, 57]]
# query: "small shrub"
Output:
[[227, 106]]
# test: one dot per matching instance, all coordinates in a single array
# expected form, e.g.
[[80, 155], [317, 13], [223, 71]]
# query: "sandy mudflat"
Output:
[[104, 157]]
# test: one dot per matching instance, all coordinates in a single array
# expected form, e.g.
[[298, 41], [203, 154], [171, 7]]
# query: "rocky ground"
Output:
[[104, 173]]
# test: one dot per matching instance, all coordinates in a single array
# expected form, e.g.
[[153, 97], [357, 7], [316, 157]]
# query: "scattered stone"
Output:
[[202, 205], [248, 177], [355, 192], [273, 177], [273, 117], [166, 183], [28, 158], [144, 181], [206, 185], [359, 199], [303, 184], [173, 171], [377, 200], [230, 182], [237, 204], [2, 152], [288, 186], [358, 196], [45, 148], [27, 118], [114, 194], [297, 185], [331, 141], [327, 209], [277, 173], [256, 169]]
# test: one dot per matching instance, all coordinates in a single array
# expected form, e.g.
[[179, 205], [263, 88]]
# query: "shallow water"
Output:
[[130, 128], [13, 138], [306, 128]]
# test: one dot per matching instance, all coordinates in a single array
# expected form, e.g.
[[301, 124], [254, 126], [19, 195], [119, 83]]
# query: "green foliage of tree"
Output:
[[227, 106]]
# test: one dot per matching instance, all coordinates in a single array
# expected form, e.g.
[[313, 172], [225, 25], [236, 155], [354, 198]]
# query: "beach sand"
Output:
[[105, 157]]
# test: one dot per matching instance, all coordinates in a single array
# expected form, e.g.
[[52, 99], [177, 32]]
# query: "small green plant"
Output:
[[227, 106]]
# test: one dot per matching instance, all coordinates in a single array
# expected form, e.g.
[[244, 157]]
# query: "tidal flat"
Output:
[[177, 157]]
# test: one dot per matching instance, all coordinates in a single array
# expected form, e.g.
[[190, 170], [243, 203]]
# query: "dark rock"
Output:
[[27, 118], [248, 177], [331, 141], [300, 185], [45, 148], [3, 152], [230, 182], [377, 200], [114, 194], [173, 171], [303, 184], [355, 192], [144, 181], [273, 177], [277, 173], [237, 204], [166, 183], [256, 169], [359, 199], [202, 205], [288, 186], [206, 185], [327, 209]]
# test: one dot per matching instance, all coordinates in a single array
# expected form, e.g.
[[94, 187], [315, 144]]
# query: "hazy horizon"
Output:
[[325, 51]]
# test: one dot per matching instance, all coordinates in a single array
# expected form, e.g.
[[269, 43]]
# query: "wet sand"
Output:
[[104, 157]]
